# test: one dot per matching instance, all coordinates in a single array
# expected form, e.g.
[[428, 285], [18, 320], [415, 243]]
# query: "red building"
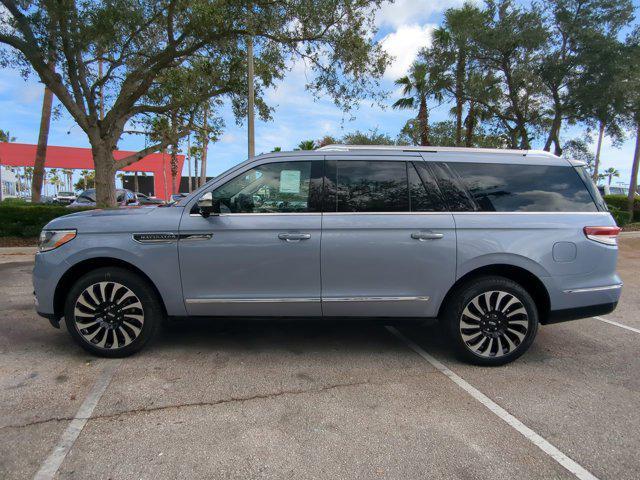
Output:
[[159, 164]]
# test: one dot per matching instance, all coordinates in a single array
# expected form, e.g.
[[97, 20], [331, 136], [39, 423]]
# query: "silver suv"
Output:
[[491, 242]]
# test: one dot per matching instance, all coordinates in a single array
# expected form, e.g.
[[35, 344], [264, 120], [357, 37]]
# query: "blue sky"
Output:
[[405, 27]]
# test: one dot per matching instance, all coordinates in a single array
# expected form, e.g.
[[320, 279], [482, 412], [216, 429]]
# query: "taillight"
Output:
[[606, 235]]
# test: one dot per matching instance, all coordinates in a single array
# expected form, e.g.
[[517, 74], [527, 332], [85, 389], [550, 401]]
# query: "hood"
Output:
[[118, 220]]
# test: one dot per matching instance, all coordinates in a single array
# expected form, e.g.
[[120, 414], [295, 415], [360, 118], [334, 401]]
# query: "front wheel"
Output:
[[112, 312], [491, 320]]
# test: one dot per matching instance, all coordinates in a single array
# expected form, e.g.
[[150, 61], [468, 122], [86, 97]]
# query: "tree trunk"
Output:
[[105, 178], [423, 123], [460, 71], [251, 143], [41, 150], [596, 164], [633, 184], [135, 181], [470, 122]]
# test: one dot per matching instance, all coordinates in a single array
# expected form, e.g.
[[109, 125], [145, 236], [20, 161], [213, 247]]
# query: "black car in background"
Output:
[[88, 198]]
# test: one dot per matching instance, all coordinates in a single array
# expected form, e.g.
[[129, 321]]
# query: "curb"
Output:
[[18, 250]]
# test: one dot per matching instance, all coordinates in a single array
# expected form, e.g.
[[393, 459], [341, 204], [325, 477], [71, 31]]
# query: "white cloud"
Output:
[[403, 12], [404, 45]]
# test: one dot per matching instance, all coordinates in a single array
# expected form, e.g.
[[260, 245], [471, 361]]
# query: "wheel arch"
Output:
[[528, 280], [86, 266]]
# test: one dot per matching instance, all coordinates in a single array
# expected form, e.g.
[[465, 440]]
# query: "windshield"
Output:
[[87, 196]]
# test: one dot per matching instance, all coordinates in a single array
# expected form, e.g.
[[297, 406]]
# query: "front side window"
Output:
[[515, 188], [283, 187], [371, 186]]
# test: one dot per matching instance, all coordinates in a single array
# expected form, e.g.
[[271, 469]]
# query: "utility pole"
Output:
[[251, 99]]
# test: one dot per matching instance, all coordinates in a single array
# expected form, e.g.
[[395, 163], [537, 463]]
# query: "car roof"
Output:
[[378, 152]]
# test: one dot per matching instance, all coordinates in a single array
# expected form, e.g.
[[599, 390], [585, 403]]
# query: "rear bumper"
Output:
[[576, 313]]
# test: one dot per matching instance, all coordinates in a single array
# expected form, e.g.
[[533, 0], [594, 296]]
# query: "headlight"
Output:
[[50, 239]]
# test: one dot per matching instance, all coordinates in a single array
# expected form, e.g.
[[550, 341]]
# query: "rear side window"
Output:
[[593, 190], [424, 194], [377, 186], [529, 188], [451, 187]]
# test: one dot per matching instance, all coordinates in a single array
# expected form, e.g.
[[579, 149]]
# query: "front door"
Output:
[[261, 255], [388, 243]]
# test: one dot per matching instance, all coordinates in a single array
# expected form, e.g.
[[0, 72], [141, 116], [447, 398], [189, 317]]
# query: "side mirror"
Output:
[[207, 206]]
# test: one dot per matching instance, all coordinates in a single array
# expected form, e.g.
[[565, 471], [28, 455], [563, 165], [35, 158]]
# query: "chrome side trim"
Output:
[[271, 214], [375, 299], [252, 300], [159, 237], [195, 237], [593, 289]]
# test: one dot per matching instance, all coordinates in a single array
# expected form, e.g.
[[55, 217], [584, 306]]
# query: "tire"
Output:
[[112, 312], [491, 320]]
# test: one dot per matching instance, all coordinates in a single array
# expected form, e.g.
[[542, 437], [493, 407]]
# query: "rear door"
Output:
[[388, 243]]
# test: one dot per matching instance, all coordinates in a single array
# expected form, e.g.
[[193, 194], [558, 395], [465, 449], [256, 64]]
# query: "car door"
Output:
[[388, 243], [261, 255]]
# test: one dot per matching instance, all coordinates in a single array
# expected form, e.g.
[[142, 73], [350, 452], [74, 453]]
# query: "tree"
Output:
[[372, 137], [444, 134], [137, 43], [306, 145], [601, 71], [578, 149], [508, 45], [453, 51], [327, 140], [609, 173], [418, 87], [630, 83], [5, 136], [576, 29]]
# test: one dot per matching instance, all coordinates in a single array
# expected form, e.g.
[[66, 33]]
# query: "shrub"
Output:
[[26, 220], [621, 217], [620, 202]]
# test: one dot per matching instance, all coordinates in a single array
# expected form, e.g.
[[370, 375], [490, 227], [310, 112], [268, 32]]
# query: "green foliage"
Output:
[[21, 219], [621, 217], [372, 137], [620, 202]]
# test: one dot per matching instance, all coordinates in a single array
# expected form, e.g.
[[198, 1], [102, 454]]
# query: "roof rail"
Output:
[[408, 148]]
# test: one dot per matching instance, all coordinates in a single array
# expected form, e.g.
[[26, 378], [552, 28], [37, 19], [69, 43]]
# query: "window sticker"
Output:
[[290, 181]]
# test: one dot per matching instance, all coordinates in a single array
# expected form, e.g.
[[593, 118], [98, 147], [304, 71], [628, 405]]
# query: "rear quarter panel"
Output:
[[527, 240]]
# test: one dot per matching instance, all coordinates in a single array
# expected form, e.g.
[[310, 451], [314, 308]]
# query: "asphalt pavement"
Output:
[[318, 399]]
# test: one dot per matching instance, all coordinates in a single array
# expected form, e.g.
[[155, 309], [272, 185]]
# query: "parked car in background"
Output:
[[64, 198], [147, 200], [88, 198], [492, 243], [176, 197], [613, 190]]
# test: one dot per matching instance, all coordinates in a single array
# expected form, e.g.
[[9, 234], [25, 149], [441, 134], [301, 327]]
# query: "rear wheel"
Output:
[[112, 312], [491, 320]]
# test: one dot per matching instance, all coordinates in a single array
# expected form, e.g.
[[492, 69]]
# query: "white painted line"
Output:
[[51, 465], [626, 327], [575, 468]]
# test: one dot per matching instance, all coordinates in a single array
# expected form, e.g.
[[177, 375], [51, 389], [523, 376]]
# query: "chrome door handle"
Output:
[[294, 237], [426, 236]]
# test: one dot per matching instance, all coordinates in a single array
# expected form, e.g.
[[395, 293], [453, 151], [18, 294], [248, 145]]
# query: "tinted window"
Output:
[[595, 192], [424, 194], [282, 187], [451, 188], [375, 186], [534, 188]]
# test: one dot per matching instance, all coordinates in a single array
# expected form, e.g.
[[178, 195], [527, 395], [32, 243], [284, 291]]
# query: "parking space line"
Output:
[[52, 463], [626, 327], [571, 465]]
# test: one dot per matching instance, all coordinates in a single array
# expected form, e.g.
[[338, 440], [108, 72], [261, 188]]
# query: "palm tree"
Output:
[[306, 145], [418, 87], [68, 173], [610, 173]]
